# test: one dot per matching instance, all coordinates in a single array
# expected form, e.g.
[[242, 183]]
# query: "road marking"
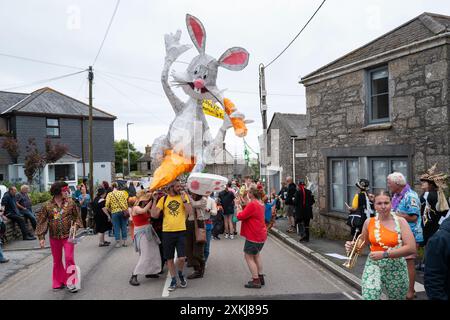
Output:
[[165, 292], [357, 294], [348, 296]]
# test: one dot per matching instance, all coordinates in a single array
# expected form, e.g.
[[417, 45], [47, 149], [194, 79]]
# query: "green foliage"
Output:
[[39, 197], [120, 148]]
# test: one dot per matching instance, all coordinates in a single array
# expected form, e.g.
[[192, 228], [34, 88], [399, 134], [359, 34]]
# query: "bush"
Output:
[[39, 197]]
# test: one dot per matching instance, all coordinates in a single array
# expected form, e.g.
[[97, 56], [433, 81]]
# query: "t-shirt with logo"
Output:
[[174, 213]]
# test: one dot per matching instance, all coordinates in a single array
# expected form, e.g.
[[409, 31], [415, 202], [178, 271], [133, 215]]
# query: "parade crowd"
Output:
[[395, 223]]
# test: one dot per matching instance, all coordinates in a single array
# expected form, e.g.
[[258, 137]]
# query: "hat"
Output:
[[363, 184], [438, 179]]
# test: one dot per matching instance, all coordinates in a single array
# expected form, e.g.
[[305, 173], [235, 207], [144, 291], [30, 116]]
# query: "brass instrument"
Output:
[[354, 253]]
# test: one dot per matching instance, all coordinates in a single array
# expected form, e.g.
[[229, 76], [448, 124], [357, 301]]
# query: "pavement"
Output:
[[105, 272], [331, 255]]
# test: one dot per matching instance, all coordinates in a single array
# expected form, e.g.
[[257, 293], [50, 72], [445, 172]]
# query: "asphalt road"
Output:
[[105, 272]]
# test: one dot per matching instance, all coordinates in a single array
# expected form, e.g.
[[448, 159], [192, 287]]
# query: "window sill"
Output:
[[378, 126], [52, 137]]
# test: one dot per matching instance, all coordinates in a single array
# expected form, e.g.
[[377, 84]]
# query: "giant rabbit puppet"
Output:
[[189, 143]]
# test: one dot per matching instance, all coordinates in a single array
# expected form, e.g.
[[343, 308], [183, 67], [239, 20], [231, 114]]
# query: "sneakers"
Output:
[[216, 238], [59, 288], [261, 279], [72, 289], [4, 261], [124, 243], [183, 282], [173, 284], [118, 245], [133, 280], [231, 236], [253, 284], [226, 236]]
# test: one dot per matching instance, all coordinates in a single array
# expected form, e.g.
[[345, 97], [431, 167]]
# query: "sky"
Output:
[[128, 68]]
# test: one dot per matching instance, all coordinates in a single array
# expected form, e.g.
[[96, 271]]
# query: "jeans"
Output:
[[2, 257], [21, 222], [120, 225], [208, 228], [29, 215]]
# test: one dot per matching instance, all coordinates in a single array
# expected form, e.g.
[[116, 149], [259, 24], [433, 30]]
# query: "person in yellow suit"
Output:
[[362, 205]]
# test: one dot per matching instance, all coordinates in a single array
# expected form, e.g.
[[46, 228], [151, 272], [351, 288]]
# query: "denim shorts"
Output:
[[171, 241], [253, 248]]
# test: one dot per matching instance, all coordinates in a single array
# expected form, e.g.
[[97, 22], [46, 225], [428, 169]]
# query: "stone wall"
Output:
[[419, 110], [13, 231]]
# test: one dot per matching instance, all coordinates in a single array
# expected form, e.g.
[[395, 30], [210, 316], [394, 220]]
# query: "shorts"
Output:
[[171, 241], [290, 210], [253, 248]]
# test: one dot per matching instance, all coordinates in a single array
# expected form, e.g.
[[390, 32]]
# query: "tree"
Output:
[[54, 152], [10, 144], [120, 148], [34, 161]]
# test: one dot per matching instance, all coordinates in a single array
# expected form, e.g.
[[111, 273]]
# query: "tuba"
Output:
[[354, 253]]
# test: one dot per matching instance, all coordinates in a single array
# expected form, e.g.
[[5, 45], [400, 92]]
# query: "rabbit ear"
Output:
[[234, 59], [196, 32]]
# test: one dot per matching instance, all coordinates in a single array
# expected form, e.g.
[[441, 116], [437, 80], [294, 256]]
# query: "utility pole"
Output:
[[263, 109], [91, 147], [128, 149], [293, 157]]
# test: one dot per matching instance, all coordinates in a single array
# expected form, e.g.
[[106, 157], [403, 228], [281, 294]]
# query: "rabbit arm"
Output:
[[176, 103]]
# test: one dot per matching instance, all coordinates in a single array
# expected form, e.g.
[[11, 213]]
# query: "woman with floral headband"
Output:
[[390, 239], [57, 216]]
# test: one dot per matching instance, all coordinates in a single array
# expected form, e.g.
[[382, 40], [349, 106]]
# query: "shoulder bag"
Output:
[[200, 233]]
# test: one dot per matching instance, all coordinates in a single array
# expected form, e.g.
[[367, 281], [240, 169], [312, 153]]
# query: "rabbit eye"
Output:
[[204, 77]]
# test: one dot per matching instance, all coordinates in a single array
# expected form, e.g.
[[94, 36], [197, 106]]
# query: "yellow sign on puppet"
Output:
[[211, 109]]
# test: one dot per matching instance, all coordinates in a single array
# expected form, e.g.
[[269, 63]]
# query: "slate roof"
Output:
[[294, 123], [47, 101], [420, 28]]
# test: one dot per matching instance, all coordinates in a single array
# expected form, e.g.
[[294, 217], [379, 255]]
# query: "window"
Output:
[[378, 95], [380, 168], [52, 127], [57, 172], [344, 174]]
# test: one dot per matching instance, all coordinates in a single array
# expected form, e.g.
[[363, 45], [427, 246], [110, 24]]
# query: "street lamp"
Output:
[[128, 148], [293, 157]]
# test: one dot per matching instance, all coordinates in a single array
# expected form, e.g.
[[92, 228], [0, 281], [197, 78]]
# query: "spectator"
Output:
[[289, 202], [437, 267], [131, 190], [253, 229], [106, 186], [175, 207], [282, 194], [2, 232], [195, 251], [57, 216], [12, 212], [77, 194], [146, 241], [218, 221], [406, 204], [84, 200], [86, 184], [116, 204], [269, 211], [157, 224], [211, 211], [24, 205], [227, 201], [361, 209], [385, 266], [304, 201], [101, 216]]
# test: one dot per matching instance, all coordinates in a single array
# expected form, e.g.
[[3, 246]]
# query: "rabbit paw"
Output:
[[173, 47]]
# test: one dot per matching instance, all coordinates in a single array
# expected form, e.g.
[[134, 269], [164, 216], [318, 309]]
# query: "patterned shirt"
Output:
[[410, 205], [57, 219], [116, 201]]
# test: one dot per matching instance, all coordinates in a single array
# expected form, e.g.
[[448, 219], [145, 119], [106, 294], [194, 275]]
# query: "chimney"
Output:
[[148, 149]]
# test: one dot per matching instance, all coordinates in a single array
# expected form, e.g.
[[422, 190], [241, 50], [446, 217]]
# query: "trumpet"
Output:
[[354, 253]]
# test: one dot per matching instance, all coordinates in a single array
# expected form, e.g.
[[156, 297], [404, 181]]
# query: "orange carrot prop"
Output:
[[240, 129]]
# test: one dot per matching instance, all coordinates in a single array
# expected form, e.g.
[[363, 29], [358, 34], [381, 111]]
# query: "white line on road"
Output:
[[357, 294], [165, 292], [347, 295]]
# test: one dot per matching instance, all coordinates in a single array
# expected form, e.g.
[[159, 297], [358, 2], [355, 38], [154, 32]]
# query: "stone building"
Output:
[[286, 140], [224, 164], [381, 108], [144, 163]]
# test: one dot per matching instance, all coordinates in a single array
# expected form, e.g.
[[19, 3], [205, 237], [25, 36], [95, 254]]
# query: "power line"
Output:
[[270, 94], [44, 80], [131, 84], [40, 61], [295, 38], [129, 76], [107, 31]]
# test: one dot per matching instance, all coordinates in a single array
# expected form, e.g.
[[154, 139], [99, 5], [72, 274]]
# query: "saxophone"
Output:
[[354, 253]]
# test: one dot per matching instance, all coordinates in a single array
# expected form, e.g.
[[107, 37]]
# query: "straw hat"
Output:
[[438, 179]]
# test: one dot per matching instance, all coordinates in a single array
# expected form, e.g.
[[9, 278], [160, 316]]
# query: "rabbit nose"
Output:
[[199, 84]]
